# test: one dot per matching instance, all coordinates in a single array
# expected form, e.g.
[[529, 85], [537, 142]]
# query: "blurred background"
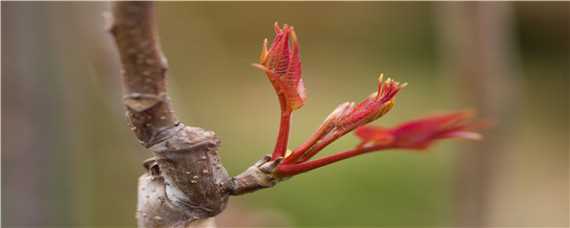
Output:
[[69, 159]]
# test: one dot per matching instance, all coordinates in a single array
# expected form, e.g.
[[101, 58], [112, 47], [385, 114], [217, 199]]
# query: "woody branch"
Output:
[[185, 180]]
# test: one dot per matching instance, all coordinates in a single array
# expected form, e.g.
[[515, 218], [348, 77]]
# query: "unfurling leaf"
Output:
[[421, 133], [282, 65]]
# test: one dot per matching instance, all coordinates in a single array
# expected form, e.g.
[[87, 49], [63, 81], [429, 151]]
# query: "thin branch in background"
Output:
[[477, 48]]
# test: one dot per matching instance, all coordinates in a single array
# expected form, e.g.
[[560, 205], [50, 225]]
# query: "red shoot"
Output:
[[374, 106], [347, 117], [417, 134], [282, 65]]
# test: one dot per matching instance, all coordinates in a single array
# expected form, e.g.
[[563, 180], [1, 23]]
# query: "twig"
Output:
[[144, 71]]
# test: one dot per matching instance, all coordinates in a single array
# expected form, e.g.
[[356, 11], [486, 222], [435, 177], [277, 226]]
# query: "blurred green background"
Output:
[[69, 159]]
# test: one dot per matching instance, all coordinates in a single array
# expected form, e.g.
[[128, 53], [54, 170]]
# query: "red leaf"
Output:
[[421, 133], [374, 106], [282, 65]]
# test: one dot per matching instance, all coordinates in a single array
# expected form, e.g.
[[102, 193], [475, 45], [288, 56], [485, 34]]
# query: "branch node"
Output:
[[258, 176], [109, 23], [140, 102]]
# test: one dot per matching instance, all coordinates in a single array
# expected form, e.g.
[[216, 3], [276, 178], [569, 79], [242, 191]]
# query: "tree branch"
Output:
[[186, 183], [144, 71], [185, 180]]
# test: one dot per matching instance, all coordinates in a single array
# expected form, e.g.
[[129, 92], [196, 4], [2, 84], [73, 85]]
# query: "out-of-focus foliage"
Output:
[[68, 157]]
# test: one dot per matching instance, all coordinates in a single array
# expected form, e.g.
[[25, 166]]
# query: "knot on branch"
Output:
[[189, 171], [139, 102], [181, 139]]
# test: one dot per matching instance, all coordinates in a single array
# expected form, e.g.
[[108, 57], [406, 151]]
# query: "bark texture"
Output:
[[186, 183]]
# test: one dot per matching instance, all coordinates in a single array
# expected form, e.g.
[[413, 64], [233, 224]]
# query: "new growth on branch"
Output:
[[186, 184], [281, 62]]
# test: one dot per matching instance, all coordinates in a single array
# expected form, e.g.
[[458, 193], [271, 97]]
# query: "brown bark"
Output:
[[144, 71], [185, 183]]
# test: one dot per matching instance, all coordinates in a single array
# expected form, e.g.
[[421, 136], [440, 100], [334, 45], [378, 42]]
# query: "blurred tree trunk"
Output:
[[31, 118], [477, 52]]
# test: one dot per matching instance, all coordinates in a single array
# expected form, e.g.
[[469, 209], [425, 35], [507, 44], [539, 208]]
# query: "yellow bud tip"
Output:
[[387, 107], [403, 85], [381, 77], [264, 52], [265, 49], [293, 36], [288, 152], [261, 67], [276, 27], [374, 94]]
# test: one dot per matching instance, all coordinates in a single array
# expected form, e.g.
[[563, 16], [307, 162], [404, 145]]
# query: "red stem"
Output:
[[283, 136], [317, 148], [294, 169], [307, 145]]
